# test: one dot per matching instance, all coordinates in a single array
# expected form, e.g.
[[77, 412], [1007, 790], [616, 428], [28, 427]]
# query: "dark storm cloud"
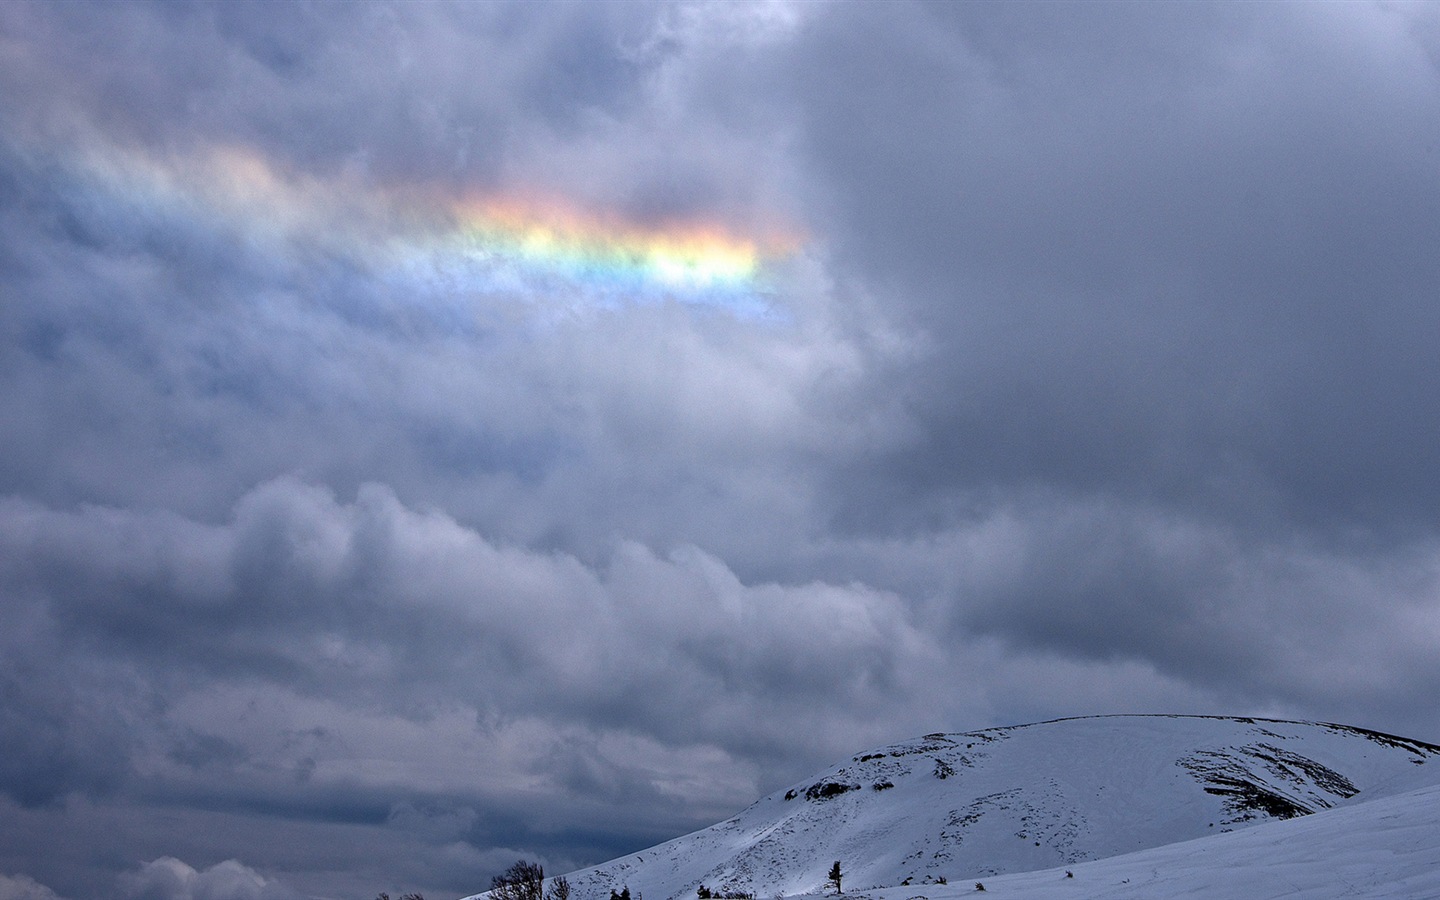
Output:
[[1104, 580], [1181, 253], [279, 655], [60, 733], [1101, 381], [1171, 267]]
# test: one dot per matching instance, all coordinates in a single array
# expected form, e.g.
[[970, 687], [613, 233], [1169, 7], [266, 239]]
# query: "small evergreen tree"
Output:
[[834, 876]]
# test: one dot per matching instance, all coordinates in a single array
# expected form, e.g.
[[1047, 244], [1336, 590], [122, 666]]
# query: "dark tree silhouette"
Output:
[[559, 889], [522, 881]]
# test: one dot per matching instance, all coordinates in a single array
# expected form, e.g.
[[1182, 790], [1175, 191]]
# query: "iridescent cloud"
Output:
[[471, 244]]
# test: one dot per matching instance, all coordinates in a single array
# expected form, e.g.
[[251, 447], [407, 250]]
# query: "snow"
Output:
[[1388, 847], [1134, 806]]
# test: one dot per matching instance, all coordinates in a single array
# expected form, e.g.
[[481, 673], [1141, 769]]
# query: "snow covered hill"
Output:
[[957, 808], [1387, 847]]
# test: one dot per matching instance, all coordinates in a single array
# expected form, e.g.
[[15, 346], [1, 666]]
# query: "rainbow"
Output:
[[685, 257], [474, 245]]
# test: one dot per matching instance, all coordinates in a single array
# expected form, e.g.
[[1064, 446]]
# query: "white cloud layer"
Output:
[[168, 878]]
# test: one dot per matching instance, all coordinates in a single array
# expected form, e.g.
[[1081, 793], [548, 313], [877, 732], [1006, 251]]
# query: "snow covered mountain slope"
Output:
[[1021, 799], [1388, 847]]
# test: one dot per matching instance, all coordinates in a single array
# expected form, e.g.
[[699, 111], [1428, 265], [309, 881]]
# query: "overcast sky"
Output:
[[1089, 365]]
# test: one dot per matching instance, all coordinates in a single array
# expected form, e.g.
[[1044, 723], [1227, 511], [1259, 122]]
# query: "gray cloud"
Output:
[[367, 664], [330, 598], [168, 878], [441, 90], [348, 662], [1106, 581], [1202, 286], [23, 887]]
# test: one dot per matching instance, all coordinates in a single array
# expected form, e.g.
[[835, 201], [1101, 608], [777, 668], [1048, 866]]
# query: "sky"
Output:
[[437, 434]]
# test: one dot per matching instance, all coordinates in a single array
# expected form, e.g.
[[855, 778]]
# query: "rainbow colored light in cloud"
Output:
[[685, 257], [415, 233]]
